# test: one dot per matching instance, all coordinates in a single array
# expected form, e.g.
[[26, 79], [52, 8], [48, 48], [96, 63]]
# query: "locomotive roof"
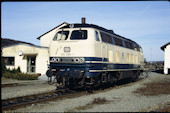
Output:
[[76, 25]]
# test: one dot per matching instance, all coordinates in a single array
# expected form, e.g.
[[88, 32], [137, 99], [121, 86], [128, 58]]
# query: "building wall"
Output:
[[42, 61], [166, 59], [42, 57], [18, 60]]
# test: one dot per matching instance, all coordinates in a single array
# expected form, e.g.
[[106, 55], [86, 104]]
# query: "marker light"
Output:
[[77, 60]]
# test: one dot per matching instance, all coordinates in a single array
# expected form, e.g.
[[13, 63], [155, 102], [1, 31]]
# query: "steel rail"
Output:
[[14, 103]]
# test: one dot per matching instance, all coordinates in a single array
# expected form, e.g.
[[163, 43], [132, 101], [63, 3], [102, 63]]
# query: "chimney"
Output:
[[83, 20]]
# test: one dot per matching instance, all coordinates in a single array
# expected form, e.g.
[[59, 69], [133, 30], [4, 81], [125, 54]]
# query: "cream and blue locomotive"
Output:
[[87, 55]]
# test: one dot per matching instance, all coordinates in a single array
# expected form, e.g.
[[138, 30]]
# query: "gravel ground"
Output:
[[24, 87], [118, 100]]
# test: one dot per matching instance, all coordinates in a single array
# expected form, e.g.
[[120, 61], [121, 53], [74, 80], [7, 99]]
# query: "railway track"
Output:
[[14, 103], [18, 102]]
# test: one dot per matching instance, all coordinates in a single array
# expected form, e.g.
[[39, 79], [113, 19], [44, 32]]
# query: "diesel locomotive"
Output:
[[87, 55]]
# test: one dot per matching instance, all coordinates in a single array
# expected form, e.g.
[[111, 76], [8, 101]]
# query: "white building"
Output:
[[166, 49], [30, 58]]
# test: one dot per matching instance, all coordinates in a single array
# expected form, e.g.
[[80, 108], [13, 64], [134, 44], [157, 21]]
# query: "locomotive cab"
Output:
[[72, 43], [71, 51]]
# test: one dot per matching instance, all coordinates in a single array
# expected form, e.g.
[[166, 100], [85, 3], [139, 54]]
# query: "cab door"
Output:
[[98, 51]]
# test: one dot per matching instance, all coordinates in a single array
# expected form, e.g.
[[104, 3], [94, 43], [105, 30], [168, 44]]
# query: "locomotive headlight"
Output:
[[57, 59], [79, 60], [82, 60], [53, 60]]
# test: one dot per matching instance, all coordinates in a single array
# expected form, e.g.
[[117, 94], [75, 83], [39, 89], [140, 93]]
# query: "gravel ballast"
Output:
[[118, 99], [24, 88]]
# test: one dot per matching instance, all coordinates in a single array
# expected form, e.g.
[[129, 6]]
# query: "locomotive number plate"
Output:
[[67, 49]]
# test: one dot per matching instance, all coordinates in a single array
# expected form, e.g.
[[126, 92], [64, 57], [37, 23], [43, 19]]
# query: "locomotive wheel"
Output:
[[135, 76], [98, 82], [119, 75], [85, 86], [113, 80], [89, 88]]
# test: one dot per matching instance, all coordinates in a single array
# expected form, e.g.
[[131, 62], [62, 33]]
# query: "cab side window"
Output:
[[97, 36]]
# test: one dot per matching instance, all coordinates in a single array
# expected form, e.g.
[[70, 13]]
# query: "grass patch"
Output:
[[20, 76], [155, 88], [3, 78], [17, 74]]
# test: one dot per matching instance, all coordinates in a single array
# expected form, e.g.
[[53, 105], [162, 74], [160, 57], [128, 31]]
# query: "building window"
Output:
[[9, 60]]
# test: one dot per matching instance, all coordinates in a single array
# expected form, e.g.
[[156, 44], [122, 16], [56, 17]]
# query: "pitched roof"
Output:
[[51, 30], [24, 44], [162, 47], [8, 42]]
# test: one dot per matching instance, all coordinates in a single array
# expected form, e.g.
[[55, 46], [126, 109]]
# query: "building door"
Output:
[[31, 64]]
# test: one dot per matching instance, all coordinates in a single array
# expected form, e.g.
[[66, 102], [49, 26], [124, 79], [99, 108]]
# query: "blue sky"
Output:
[[146, 22]]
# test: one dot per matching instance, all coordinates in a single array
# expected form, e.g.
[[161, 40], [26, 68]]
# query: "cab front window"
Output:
[[61, 35], [79, 35]]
